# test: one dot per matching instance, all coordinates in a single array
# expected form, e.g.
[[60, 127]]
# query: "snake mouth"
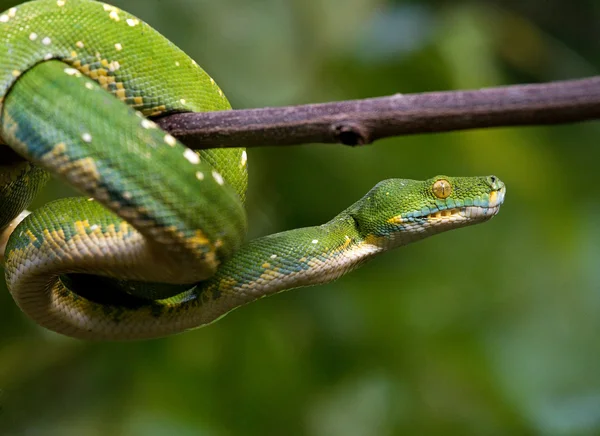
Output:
[[467, 212], [446, 213]]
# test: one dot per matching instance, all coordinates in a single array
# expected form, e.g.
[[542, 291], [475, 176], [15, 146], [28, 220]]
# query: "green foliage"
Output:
[[485, 330]]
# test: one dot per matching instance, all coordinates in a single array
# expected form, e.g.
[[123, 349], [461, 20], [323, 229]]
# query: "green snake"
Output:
[[156, 244]]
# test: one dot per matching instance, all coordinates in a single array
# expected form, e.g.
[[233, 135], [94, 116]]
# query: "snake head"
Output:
[[398, 211]]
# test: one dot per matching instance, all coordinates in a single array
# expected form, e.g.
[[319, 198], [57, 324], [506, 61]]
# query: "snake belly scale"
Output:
[[156, 244]]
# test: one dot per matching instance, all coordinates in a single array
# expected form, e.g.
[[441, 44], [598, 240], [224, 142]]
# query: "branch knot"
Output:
[[349, 133]]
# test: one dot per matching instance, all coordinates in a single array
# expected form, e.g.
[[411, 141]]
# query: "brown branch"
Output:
[[360, 122]]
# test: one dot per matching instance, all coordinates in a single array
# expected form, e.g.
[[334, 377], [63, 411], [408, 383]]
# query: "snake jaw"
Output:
[[470, 213], [451, 214], [463, 213]]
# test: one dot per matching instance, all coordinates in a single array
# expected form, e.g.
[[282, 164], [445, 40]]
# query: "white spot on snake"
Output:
[[48, 56], [182, 101], [244, 158], [91, 199], [315, 241], [86, 137], [114, 15], [12, 12], [80, 44], [218, 178], [200, 175], [132, 23], [72, 72], [191, 156], [118, 46], [94, 227], [147, 124], [274, 256], [114, 66], [170, 140], [108, 8], [16, 73], [89, 86], [177, 64], [33, 36], [127, 195], [46, 41], [4, 18], [60, 3]]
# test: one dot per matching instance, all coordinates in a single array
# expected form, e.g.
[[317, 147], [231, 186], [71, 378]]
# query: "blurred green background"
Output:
[[489, 330]]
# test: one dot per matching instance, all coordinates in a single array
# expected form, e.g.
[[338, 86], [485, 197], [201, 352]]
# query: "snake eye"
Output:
[[442, 189]]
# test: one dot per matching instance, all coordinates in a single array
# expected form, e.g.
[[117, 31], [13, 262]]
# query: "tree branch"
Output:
[[359, 122]]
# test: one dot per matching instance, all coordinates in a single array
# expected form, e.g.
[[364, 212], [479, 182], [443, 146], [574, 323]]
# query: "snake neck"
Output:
[[287, 260]]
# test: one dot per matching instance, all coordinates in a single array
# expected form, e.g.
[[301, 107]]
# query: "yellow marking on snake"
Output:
[[395, 220]]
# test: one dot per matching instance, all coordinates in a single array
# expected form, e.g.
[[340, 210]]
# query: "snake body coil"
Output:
[[155, 246]]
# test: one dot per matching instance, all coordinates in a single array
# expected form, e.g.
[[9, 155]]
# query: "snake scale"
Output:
[[155, 245]]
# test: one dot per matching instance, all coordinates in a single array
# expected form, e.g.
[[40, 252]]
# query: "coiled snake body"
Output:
[[156, 245]]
